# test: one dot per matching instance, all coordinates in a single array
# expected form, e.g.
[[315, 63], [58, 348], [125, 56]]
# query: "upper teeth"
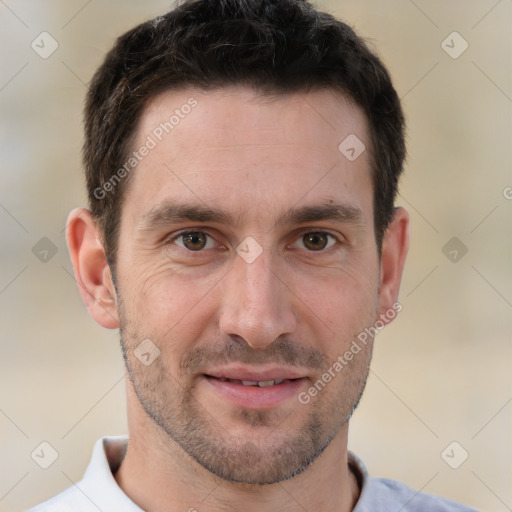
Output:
[[259, 383], [262, 383]]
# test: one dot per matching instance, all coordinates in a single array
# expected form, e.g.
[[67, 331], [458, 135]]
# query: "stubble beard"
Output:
[[267, 458]]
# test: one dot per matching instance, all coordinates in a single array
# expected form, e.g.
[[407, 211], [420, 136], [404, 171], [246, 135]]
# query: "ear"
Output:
[[92, 272], [394, 251]]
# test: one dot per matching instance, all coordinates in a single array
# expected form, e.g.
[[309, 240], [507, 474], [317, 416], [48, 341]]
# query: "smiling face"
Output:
[[247, 257]]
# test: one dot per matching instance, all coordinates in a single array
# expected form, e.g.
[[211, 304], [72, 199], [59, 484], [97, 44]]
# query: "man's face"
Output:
[[247, 253]]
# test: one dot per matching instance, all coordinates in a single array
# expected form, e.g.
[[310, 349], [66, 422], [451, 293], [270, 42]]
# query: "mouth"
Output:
[[257, 383], [255, 390]]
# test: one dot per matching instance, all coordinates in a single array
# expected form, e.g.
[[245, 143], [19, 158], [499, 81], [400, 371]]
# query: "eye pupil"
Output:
[[315, 241], [194, 241]]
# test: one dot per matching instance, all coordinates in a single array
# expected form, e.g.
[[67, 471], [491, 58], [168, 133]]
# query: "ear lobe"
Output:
[[92, 272], [394, 251]]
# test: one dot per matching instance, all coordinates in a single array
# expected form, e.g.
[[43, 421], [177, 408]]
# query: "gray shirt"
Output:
[[98, 489]]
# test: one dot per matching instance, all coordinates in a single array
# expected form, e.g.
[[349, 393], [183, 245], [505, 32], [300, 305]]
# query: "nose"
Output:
[[257, 304]]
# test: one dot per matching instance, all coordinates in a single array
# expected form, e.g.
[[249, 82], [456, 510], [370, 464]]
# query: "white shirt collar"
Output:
[[98, 489]]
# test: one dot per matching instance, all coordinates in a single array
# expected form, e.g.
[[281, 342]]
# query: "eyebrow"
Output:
[[173, 213], [345, 214]]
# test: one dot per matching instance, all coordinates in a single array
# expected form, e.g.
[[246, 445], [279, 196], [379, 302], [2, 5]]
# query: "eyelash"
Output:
[[173, 239], [183, 233]]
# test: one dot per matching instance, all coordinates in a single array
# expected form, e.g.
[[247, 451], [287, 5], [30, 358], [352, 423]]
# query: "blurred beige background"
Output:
[[441, 372]]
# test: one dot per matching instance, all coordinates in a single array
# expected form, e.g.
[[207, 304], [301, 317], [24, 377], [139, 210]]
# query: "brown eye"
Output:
[[193, 240], [317, 241]]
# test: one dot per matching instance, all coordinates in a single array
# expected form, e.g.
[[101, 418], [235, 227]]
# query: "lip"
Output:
[[253, 374], [255, 397]]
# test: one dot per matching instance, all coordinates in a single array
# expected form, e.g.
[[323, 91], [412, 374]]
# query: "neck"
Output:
[[159, 476]]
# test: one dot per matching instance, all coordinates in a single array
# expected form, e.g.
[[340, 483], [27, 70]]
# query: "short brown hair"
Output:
[[273, 46]]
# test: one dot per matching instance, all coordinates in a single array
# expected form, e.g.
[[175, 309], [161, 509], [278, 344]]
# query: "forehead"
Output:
[[239, 148], [243, 112]]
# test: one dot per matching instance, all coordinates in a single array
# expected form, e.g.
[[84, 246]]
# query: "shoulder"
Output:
[[382, 492], [70, 499], [386, 495], [98, 489]]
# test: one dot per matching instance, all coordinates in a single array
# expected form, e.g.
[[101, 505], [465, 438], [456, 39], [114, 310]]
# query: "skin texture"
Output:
[[297, 306]]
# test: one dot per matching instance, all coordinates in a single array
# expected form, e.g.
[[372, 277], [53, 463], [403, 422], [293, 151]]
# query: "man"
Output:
[[242, 160]]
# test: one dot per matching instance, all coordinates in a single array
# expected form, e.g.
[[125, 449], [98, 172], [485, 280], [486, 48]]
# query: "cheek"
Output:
[[345, 301], [169, 305]]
